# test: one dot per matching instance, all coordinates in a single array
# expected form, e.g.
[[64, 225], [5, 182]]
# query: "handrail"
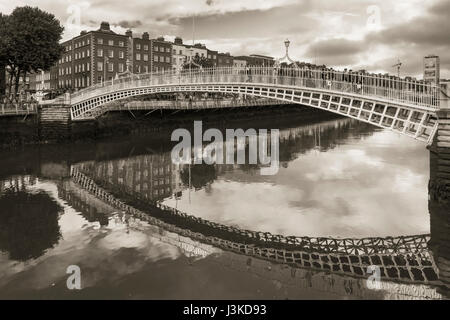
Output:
[[401, 90], [17, 109]]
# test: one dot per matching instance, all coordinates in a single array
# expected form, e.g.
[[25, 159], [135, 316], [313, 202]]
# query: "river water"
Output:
[[338, 178]]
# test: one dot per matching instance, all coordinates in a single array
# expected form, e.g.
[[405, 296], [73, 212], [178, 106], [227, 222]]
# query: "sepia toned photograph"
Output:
[[224, 155]]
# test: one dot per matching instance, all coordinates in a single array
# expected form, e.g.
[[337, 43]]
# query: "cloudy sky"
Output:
[[370, 34]]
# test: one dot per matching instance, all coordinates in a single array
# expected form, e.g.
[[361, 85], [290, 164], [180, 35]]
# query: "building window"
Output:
[[181, 52], [168, 59], [121, 54], [87, 66], [138, 56], [121, 44], [121, 67], [155, 58], [145, 57], [111, 54], [138, 46], [99, 66], [156, 48], [111, 42], [168, 49], [146, 47], [100, 53], [110, 67], [100, 41], [146, 69]]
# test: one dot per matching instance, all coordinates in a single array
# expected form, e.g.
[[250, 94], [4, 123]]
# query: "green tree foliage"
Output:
[[30, 41]]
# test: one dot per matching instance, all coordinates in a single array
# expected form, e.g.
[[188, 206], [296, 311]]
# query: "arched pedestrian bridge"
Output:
[[404, 106]]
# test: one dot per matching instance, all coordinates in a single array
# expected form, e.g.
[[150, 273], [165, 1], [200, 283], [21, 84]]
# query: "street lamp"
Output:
[[287, 43], [286, 56]]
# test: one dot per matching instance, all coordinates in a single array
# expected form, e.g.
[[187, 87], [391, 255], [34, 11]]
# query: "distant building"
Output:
[[161, 55], [141, 51], [92, 57], [431, 69], [212, 57], [239, 63], [256, 60], [224, 60], [178, 54], [182, 53], [44, 82]]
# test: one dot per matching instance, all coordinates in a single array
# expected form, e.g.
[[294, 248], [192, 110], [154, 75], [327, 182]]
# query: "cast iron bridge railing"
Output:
[[401, 259], [405, 106], [18, 109]]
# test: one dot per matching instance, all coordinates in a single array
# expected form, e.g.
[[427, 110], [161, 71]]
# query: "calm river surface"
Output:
[[338, 178]]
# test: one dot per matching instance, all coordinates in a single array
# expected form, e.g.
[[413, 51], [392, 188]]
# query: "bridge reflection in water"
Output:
[[135, 185], [130, 190]]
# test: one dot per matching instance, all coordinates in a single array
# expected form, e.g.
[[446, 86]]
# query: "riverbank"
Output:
[[19, 131]]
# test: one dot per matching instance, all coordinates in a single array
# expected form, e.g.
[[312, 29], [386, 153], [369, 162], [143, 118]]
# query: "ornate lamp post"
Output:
[[277, 64], [286, 57]]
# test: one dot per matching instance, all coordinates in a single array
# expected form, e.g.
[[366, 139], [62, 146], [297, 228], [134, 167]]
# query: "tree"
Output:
[[5, 46], [202, 61], [32, 38]]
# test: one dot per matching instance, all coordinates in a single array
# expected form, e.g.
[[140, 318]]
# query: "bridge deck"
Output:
[[402, 106]]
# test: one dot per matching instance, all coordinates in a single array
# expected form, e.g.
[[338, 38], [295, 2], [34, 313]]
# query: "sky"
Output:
[[353, 34]]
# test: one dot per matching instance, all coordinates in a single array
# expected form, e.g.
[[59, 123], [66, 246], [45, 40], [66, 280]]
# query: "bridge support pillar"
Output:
[[443, 133], [439, 208], [54, 122], [439, 196]]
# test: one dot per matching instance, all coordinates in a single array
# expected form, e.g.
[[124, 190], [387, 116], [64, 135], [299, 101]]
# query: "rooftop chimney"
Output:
[[129, 33], [178, 40], [104, 26], [145, 36]]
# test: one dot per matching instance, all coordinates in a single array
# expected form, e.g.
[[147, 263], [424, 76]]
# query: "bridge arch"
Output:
[[383, 108]]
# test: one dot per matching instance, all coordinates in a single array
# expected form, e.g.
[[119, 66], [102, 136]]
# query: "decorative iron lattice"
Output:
[[404, 259], [289, 276]]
